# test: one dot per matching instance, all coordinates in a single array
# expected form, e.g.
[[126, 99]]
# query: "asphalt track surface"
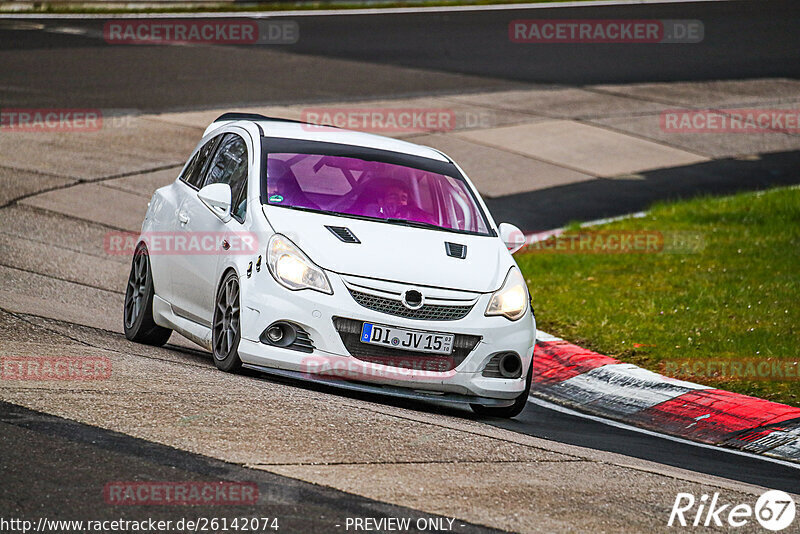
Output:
[[49, 463], [352, 57], [50, 468], [356, 56]]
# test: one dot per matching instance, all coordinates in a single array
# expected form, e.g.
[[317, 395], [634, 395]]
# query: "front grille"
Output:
[[350, 332], [429, 312]]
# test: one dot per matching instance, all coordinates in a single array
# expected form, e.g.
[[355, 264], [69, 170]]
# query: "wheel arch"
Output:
[[160, 281], [228, 269]]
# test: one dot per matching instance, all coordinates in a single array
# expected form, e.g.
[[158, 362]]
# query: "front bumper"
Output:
[[264, 302]]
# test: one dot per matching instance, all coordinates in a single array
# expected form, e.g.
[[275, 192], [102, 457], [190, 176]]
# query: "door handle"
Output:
[[183, 218]]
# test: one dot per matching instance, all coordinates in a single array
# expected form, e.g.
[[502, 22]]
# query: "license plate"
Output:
[[400, 338]]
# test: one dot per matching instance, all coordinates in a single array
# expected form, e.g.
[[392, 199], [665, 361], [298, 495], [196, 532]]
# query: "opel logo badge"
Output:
[[412, 299]]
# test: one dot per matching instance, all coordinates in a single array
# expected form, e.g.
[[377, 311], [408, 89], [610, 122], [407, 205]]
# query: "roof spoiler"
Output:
[[237, 116]]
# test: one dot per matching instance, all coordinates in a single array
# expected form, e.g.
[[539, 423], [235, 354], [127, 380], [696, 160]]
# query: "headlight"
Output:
[[511, 300], [293, 269]]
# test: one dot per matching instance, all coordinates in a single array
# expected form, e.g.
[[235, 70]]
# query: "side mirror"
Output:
[[512, 237], [217, 197]]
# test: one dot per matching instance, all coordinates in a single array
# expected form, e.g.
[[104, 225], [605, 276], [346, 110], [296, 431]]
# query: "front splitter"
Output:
[[390, 391]]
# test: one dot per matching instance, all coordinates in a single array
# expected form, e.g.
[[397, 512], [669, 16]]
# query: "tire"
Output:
[[137, 317], [508, 411], [226, 329]]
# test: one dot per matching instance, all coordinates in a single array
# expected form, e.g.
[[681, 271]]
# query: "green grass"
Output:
[[77, 7], [732, 292]]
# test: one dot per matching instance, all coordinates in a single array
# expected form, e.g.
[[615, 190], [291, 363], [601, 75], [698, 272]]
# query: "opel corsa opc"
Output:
[[336, 256]]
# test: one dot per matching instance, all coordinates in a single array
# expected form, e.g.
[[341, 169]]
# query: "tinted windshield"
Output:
[[352, 186]]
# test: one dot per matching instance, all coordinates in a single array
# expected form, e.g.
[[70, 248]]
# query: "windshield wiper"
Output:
[[416, 224], [391, 220], [420, 224], [329, 212]]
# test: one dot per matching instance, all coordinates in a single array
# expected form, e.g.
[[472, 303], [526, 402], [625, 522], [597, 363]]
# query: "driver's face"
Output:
[[394, 200]]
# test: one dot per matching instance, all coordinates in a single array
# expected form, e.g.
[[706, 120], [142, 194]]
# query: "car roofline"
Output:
[[234, 116], [262, 123], [240, 116]]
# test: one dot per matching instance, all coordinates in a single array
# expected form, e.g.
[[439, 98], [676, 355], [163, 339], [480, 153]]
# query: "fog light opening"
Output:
[[510, 366], [279, 334], [275, 334]]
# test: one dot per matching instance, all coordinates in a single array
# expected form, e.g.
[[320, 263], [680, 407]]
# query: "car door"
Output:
[[195, 270], [165, 217]]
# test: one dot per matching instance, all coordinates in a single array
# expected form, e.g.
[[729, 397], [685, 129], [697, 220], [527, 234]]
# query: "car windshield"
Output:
[[374, 189]]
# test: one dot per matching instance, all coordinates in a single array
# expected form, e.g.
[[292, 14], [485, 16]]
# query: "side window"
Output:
[[229, 166], [189, 169], [193, 175]]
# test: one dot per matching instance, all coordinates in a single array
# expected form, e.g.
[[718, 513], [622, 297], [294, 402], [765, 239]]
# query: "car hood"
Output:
[[415, 256]]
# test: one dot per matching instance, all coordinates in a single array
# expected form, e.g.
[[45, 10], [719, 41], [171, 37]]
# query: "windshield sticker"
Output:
[[276, 198]]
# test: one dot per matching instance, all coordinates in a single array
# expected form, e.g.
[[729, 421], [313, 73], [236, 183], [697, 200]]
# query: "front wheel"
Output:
[[508, 411], [138, 320], [226, 332]]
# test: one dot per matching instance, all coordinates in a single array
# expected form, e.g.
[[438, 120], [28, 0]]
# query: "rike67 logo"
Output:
[[774, 510]]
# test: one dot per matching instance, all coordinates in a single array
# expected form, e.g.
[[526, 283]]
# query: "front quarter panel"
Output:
[[159, 218]]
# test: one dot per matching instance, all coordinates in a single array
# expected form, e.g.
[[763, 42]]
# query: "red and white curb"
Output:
[[588, 382]]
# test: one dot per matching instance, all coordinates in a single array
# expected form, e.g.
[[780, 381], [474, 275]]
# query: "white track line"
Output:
[[598, 222], [340, 12], [535, 237], [623, 426]]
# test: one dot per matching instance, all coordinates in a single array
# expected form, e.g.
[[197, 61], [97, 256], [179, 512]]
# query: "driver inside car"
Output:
[[394, 203]]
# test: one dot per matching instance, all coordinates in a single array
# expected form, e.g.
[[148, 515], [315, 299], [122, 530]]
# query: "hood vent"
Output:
[[454, 250], [344, 234]]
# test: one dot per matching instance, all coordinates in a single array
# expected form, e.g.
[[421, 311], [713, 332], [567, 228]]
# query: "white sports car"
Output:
[[336, 256]]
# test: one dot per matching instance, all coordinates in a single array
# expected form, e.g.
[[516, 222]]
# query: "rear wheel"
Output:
[[138, 320], [508, 411], [226, 331]]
